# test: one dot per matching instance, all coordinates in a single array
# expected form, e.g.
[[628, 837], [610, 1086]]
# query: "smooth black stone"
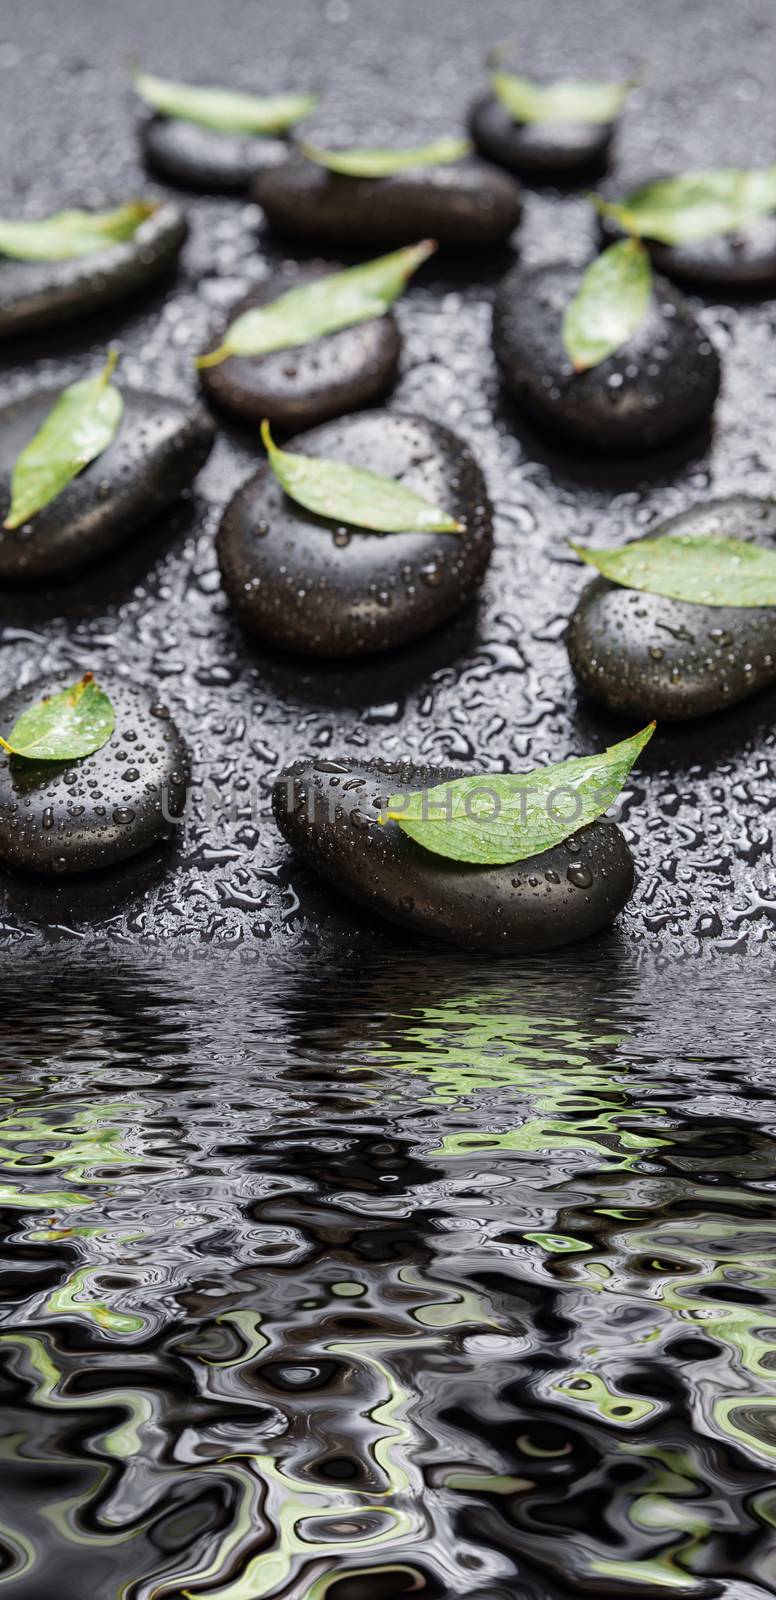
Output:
[[160, 446], [539, 149], [466, 205], [40, 294], [647, 656], [202, 159], [663, 383], [83, 898], [327, 811], [745, 260], [329, 589], [300, 387], [73, 816]]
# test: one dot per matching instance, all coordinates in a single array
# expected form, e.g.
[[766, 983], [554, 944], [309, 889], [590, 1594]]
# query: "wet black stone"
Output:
[[644, 655], [329, 589], [663, 383], [74, 816], [160, 446], [743, 260], [298, 388], [465, 205], [328, 810], [202, 159], [39, 294], [564, 150]]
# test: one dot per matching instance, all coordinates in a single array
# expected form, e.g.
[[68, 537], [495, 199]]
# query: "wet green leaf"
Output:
[[338, 300], [497, 818], [225, 110], [349, 494], [383, 163], [566, 101], [79, 427], [695, 206], [610, 304], [708, 570], [72, 233], [63, 726]]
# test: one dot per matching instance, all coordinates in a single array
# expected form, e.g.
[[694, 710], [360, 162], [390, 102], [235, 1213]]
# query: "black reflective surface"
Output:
[[386, 1279]]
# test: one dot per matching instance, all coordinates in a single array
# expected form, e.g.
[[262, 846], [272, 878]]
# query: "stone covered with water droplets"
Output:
[[647, 656], [565, 150], [466, 205], [74, 816], [300, 387], [204, 159], [39, 294], [159, 447], [662, 384], [328, 811], [326, 589]]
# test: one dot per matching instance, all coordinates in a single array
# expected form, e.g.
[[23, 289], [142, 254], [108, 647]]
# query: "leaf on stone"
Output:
[[383, 163], [695, 206], [498, 818], [224, 110], [72, 233], [81, 424], [706, 570], [65, 726], [610, 305], [565, 101], [352, 495], [337, 300]]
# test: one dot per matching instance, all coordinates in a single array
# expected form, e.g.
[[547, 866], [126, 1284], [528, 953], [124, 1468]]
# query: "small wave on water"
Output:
[[419, 1277]]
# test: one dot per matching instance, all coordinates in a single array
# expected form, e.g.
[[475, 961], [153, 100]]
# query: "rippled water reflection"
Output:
[[411, 1278]]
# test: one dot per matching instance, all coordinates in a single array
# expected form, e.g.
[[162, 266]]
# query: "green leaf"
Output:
[[566, 101], [610, 304], [707, 570], [696, 206], [382, 163], [498, 818], [225, 110], [64, 726], [72, 233], [80, 425], [349, 494], [338, 300]]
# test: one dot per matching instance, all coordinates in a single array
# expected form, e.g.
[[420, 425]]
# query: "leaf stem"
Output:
[[110, 365], [213, 358]]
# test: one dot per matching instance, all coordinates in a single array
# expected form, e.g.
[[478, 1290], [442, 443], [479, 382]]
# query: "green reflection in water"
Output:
[[739, 1260], [466, 1046], [85, 1142], [664, 1509], [121, 1442], [295, 1507]]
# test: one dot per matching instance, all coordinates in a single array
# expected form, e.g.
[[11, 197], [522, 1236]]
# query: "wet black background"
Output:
[[493, 690]]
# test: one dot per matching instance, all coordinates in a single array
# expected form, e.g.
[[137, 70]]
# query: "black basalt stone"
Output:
[[647, 656], [328, 812], [663, 383], [466, 205], [39, 294], [300, 387], [159, 447], [742, 260], [74, 816], [563, 150], [203, 159], [331, 589]]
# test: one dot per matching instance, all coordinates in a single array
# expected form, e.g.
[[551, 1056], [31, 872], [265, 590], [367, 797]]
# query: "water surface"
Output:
[[409, 1277]]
